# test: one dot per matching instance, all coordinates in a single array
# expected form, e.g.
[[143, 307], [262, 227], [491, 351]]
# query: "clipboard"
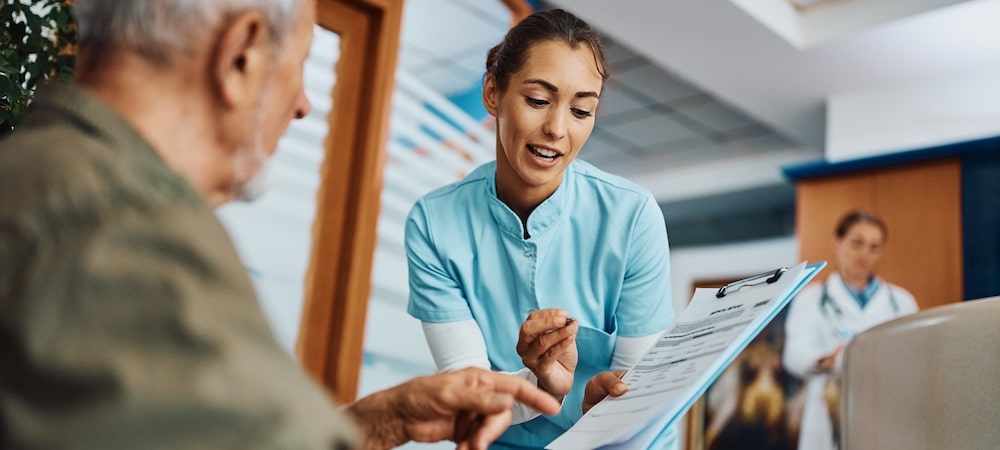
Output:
[[766, 277], [687, 358]]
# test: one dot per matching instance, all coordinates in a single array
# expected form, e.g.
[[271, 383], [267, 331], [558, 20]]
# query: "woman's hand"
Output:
[[601, 386], [547, 346]]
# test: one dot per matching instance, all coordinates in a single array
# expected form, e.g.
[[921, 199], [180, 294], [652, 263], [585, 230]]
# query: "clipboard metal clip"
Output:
[[766, 277]]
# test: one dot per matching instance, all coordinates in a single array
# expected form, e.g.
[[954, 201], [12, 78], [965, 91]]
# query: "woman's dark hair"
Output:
[[853, 217], [509, 55]]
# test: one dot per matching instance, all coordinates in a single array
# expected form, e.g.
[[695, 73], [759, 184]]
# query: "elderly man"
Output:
[[126, 320]]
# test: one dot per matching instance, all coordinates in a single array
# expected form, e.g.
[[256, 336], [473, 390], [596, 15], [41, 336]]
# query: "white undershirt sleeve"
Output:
[[457, 345]]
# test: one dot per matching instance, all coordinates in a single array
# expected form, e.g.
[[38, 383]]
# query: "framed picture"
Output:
[[755, 404]]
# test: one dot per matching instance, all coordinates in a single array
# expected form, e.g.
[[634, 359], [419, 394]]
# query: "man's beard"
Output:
[[257, 186], [249, 157]]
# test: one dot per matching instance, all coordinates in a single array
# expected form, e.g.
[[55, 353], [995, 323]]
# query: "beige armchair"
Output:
[[926, 381]]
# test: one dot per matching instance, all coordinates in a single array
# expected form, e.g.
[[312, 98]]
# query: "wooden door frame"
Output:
[[338, 284]]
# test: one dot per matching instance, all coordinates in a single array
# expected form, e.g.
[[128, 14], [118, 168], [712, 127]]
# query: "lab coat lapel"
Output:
[[842, 298]]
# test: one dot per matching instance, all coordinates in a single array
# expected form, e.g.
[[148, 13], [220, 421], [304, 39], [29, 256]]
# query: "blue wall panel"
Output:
[[981, 222]]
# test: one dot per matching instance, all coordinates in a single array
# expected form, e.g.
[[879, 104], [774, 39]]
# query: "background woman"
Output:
[[825, 316], [540, 264]]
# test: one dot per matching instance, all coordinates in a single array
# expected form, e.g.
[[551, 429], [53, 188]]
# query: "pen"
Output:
[[569, 321]]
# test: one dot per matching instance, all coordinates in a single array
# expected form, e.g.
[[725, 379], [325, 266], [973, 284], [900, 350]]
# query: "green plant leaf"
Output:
[[33, 49]]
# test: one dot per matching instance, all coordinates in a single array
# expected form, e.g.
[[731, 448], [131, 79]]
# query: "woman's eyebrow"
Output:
[[545, 84], [552, 88]]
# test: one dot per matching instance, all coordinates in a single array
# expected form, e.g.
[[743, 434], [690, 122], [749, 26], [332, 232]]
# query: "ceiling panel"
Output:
[[615, 100], [684, 152], [617, 53], [619, 162], [676, 161], [697, 144], [765, 143], [654, 83], [715, 115], [747, 132], [649, 129], [601, 144]]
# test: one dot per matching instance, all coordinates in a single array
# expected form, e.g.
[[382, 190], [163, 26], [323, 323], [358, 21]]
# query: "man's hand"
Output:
[[601, 386], [470, 407], [547, 346], [826, 363]]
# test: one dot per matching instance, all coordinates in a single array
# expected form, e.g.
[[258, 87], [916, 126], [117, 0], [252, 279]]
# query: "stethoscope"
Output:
[[826, 305]]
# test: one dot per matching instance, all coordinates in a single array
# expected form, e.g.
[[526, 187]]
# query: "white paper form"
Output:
[[686, 359]]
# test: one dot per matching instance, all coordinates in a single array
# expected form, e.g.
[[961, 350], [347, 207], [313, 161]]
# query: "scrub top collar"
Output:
[[541, 219]]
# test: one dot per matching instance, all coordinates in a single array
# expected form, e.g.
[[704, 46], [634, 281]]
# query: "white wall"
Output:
[[919, 115], [723, 261]]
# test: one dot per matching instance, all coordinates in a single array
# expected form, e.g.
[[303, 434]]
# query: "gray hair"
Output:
[[158, 29]]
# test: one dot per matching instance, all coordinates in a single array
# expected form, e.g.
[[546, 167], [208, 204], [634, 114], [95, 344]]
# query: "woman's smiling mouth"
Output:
[[543, 153]]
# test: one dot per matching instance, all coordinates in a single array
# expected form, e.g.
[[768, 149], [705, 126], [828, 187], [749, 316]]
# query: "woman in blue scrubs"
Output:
[[540, 264]]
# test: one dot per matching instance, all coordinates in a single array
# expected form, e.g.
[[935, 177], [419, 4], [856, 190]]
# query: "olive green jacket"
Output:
[[126, 318]]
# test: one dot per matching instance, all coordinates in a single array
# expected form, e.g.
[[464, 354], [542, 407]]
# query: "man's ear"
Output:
[[241, 59], [491, 95]]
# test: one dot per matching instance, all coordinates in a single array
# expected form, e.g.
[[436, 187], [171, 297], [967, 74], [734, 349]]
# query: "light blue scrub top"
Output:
[[597, 248]]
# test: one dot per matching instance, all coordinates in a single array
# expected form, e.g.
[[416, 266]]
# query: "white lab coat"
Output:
[[815, 327]]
